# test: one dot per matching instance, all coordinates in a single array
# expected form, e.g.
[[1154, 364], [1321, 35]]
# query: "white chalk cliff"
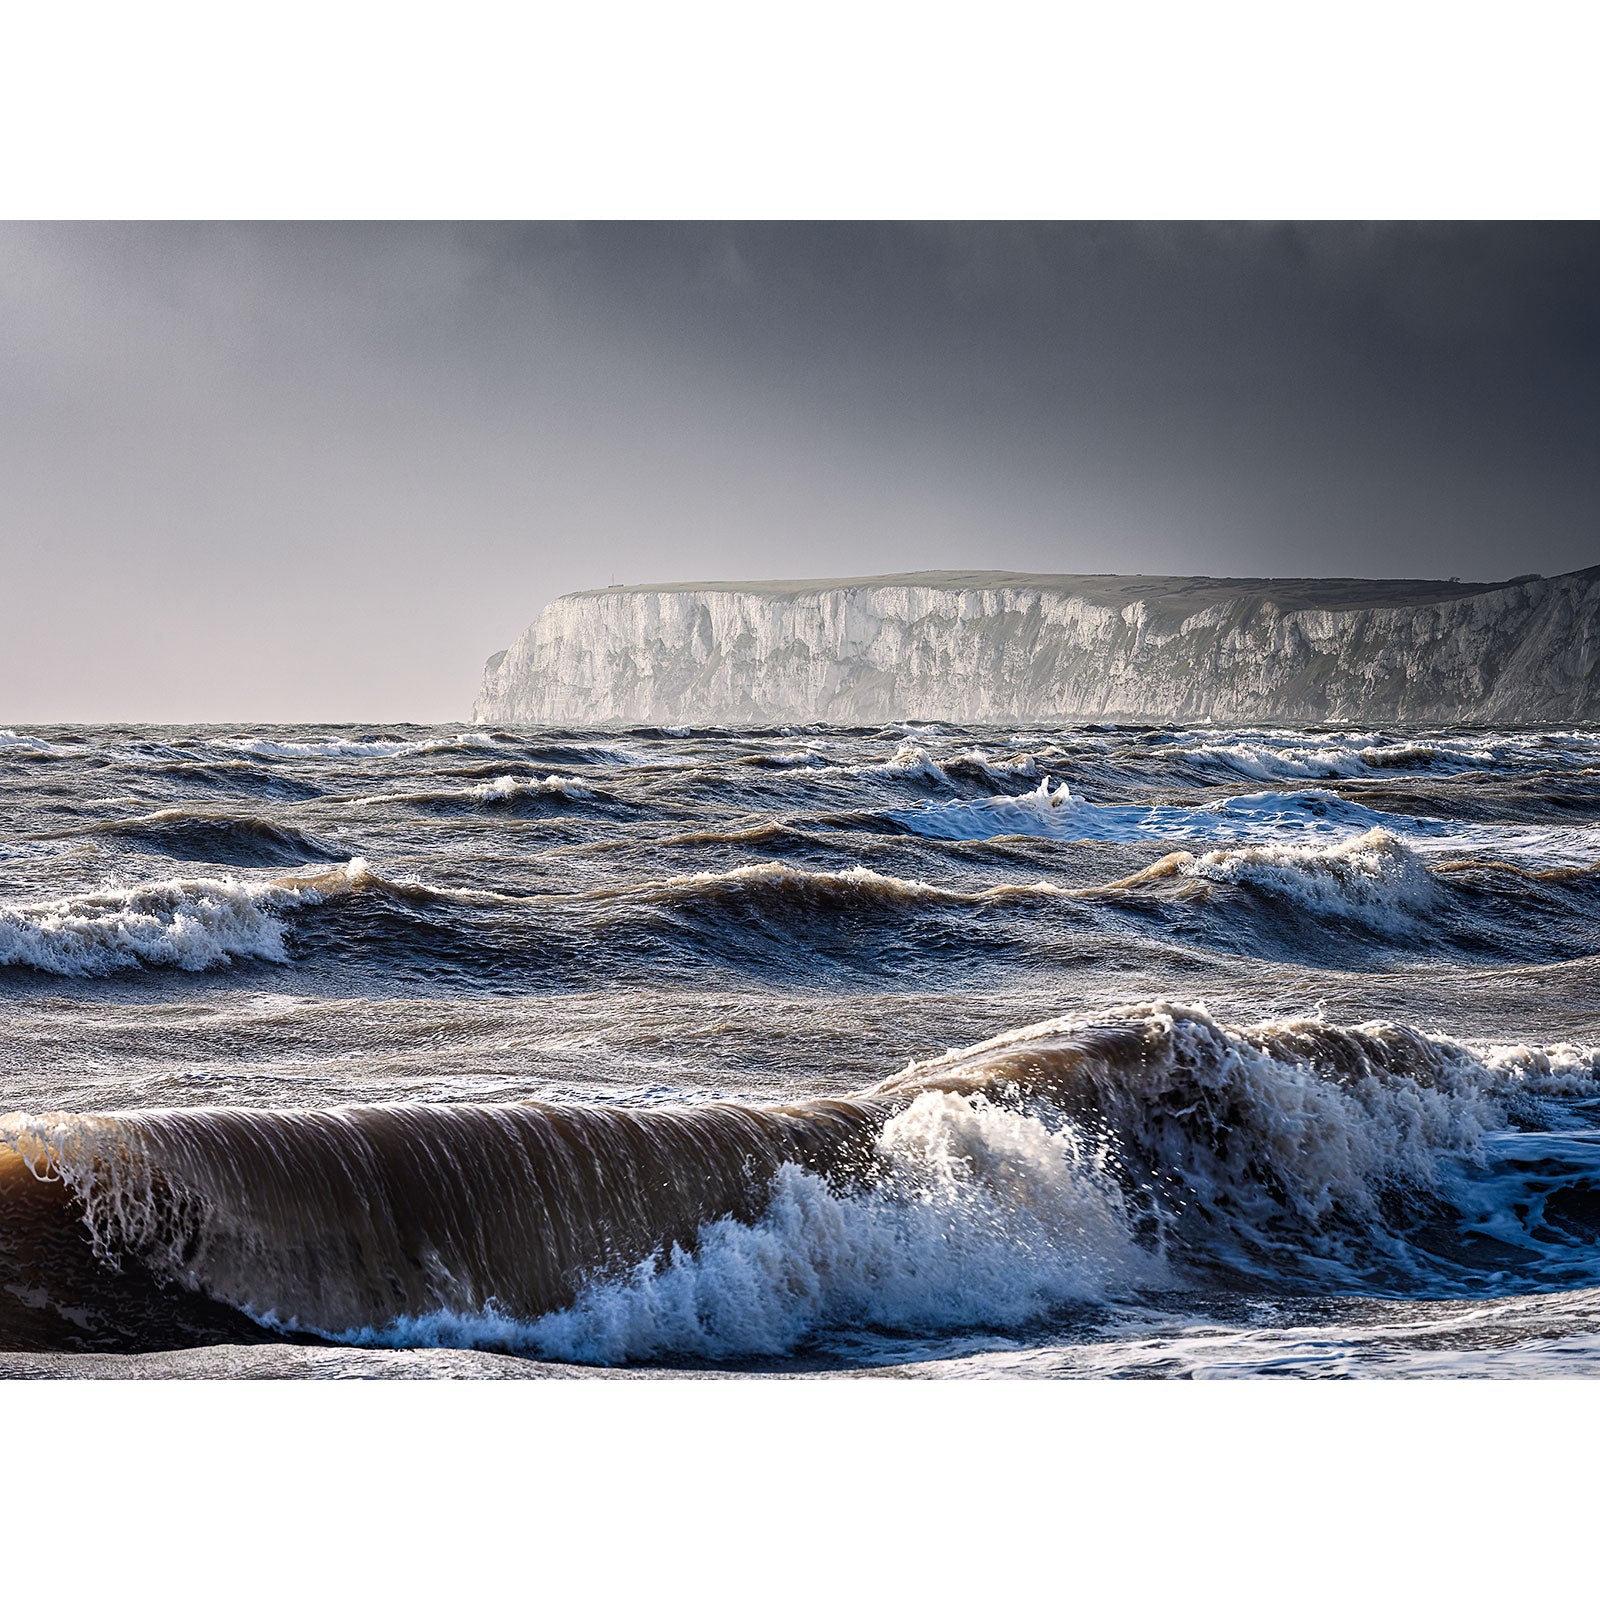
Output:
[[998, 647]]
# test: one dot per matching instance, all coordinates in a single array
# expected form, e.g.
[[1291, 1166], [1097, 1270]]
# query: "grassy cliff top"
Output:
[[1179, 595]]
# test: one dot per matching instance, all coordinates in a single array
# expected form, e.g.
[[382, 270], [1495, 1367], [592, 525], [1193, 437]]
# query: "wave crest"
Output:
[[506, 789], [980, 1216], [240, 841], [1373, 878], [1081, 1159], [190, 923]]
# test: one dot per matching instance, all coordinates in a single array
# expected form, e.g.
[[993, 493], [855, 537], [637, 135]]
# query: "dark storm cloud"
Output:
[[258, 471]]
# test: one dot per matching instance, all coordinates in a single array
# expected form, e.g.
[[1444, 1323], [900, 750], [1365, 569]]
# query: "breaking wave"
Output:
[[780, 916], [979, 1216], [190, 923], [347, 749], [1359, 754], [914, 761], [505, 790], [1315, 761], [1077, 1161], [327, 1220], [1056, 812], [974, 763], [1289, 817], [910, 761], [784, 760], [1373, 877]]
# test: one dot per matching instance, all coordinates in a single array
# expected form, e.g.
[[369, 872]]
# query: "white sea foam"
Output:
[[1056, 812], [494, 791], [1547, 1335], [910, 760], [1257, 1155], [1265, 761], [914, 760], [985, 1216], [1373, 877], [506, 787], [811, 756], [1264, 753], [191, 923], [346, 749], [1271, 817], [989, 1215], [1002, 768], [1149, 1143]]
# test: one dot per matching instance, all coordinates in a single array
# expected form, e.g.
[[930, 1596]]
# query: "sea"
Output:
[[908, 1051]]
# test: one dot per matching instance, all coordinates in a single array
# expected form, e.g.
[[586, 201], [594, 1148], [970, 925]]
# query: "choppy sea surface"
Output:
[[918, 1050]]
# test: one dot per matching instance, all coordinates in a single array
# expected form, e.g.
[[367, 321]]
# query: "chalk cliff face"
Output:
[[1008, 647]]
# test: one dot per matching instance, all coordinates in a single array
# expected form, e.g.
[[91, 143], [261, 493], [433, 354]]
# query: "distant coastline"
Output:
[[1000, 647]]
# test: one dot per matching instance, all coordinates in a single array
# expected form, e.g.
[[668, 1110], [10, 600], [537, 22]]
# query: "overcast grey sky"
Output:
[[283, 472]]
